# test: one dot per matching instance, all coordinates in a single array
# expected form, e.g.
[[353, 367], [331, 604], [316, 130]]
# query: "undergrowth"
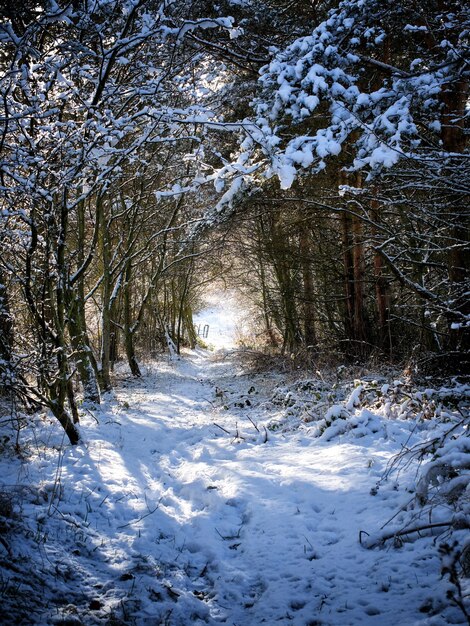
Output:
[[330, 404]]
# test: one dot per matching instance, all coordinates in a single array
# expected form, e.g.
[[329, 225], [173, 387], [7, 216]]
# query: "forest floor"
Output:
[[196, 498]]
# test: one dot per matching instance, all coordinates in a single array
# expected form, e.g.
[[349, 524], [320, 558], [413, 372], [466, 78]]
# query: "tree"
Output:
[[89, 93], [379, 88]]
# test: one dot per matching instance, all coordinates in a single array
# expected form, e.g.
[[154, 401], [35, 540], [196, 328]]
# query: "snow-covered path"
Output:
[[186, 505], [189, 524]]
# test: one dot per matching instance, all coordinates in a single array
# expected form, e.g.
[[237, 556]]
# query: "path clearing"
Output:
[[186, 524]]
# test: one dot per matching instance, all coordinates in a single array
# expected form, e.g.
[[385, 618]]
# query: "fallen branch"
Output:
[[400, 533]]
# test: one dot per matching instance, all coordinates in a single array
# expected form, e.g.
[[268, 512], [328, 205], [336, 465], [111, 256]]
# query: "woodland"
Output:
[[133, 164], [311, 156]]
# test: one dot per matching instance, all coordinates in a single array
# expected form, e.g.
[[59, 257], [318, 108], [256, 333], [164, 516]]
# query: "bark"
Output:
[[189, 325], [454, 99], [360, 326], [382, 292], [382, 302], [63, 417], [308, 291], [128, 329], [6, 337], [279, 248], [64, 391], [348, 267], [84, 359], [454, 140], [104, 369], [183, 303], [354, 276], [266, 308]]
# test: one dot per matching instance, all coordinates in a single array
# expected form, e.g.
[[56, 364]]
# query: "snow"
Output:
[[186, 505], [223, 317], [330, 67], [286, 174]]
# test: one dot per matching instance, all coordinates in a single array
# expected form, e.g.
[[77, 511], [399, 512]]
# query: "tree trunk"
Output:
[[348, 267], [279, 248], [382, 294], [6, 339], [85, 359], [128, 330], [60, 413], [354, 274], [104, 370], [264, 287], [454, 140], [360, 327], [308, 289], [61, 389], [182, 304]]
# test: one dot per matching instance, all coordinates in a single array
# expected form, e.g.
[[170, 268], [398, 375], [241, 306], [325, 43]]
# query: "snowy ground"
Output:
[[183, 508], [222, 320]]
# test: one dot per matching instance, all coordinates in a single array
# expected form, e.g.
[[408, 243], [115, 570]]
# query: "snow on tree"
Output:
[[93, 96], [381, 88], [372, 75]]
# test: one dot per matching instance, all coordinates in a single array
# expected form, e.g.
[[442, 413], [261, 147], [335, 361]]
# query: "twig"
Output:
[[58, 474], [237, 434], [84, 408], [402, 508], [406, 531], [255, 426], [222, 428], [103, 500], [229, 537], [362, 532], [209, 401], [68, 520], [139, 519]]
